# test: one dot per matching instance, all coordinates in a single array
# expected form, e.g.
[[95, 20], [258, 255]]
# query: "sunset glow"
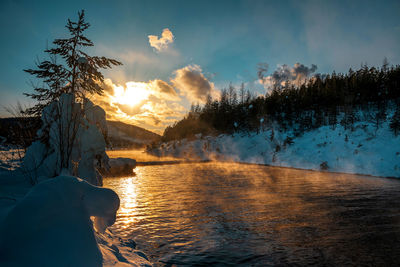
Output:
[[200, 133], [132, 94]]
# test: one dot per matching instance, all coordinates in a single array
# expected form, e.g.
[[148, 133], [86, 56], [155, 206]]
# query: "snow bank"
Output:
[[120, 252], [363, 149], [51, 226]]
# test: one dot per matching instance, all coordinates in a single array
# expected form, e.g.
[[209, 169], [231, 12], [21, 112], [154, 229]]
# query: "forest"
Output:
[[321, 100]]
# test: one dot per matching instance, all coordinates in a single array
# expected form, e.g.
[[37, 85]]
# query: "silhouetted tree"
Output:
[[78, 73], [242, 93], [395, 122]]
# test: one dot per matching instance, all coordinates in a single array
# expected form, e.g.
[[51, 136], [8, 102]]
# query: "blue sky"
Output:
[[224, 39]]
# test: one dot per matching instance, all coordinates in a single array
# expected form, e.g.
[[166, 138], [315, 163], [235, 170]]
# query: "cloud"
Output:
[[192, 83], [163, 90], [165, 87], [155, 103], [161, 44], [296, 75], [262, 70], [140, 63]]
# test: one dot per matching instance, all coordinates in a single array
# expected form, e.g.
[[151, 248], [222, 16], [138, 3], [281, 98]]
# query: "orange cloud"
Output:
[[192, 83], [163, 90]]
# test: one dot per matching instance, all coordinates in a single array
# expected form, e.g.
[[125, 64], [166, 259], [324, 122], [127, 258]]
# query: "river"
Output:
[[229, 214]]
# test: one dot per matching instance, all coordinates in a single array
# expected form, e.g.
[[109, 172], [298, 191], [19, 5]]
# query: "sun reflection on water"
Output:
[[128, 193], [224, 212]]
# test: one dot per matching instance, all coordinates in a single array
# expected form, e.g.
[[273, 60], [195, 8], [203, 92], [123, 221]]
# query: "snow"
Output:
[[120, 252], [362, 150], [74, 143], [51, 226], [54, 217], [49, 216]]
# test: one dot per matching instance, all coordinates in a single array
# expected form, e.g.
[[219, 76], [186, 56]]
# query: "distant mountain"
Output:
[[126, 135], [22, 131]]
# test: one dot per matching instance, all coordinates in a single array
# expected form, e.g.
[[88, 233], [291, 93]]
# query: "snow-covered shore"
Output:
[[50, 224], [361, 150], [49, 216]]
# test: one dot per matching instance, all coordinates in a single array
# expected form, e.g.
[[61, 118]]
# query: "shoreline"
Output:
[[155, 163], [363, 150]]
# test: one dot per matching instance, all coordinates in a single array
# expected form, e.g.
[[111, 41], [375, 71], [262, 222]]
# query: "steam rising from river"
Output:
[[225, 212]]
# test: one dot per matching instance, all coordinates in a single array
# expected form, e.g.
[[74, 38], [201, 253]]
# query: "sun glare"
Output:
[[132, 94]]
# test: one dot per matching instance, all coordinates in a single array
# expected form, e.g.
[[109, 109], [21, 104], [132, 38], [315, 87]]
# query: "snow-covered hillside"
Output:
[[122, 135], [363, 149]]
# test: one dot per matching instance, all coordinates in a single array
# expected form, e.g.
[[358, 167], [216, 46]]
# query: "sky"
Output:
[[176, 52]]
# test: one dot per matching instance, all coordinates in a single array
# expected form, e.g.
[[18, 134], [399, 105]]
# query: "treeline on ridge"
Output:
[[315, 103]]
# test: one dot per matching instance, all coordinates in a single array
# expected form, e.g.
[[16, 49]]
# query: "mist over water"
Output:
[[138, 155], [223, 214]]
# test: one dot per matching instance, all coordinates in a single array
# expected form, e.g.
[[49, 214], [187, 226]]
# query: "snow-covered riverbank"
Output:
[[49, 224], [49, 216], [362, 150]]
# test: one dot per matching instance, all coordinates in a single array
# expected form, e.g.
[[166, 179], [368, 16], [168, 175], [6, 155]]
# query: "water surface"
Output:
[[227, 214], [138, 155]]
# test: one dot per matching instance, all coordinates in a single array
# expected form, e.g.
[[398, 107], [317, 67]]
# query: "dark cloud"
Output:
[[262, 69], [282, 74], [296, 75], [300, 69], [191, 82]]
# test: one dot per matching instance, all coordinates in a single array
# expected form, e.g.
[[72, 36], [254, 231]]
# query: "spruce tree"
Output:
[[77, 74], [395, 122]]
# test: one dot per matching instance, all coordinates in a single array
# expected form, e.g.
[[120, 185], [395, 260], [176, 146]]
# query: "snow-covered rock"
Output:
[[51, 225], [71, 139]]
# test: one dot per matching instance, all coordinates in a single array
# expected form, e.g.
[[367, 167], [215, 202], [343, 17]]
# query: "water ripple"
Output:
[[226, 214]]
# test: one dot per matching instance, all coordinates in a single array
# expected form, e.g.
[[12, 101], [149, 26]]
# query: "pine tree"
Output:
[[78, 74], [242, 93], [385, 64], [395, 122]]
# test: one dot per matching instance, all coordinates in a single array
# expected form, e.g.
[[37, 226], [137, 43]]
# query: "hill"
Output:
[[21, 131], [318, 102], [341, 123], [122, 135]]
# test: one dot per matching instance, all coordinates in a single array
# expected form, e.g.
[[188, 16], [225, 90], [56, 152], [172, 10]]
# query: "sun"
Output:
[[132, 94]]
